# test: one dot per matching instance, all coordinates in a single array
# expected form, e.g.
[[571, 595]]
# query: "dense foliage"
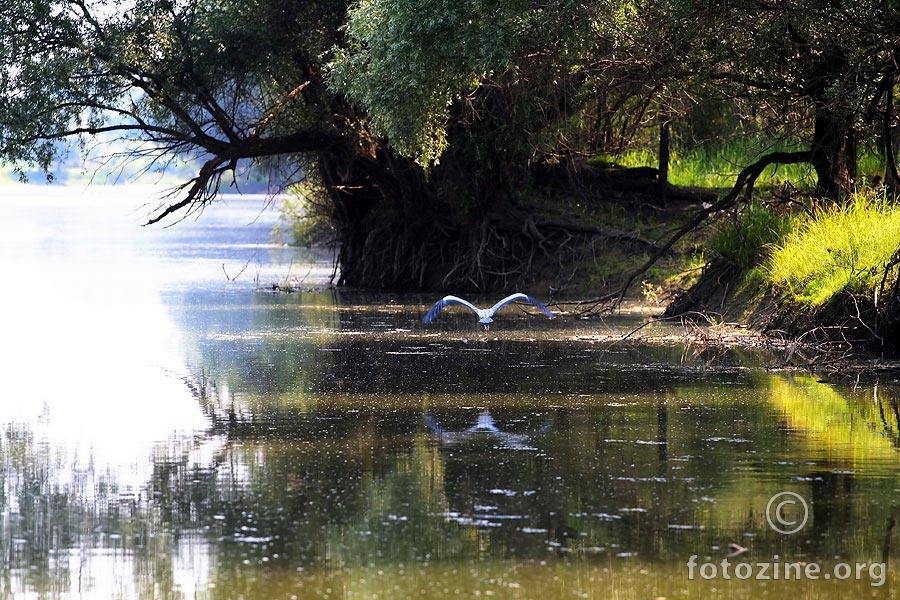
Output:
[[223, 81], [425, 125]]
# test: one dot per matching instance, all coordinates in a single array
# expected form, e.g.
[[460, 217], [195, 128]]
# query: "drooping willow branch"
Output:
[[201, 189]]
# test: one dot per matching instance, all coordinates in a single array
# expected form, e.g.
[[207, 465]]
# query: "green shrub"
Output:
[[305, 210], [746, 239], [844, 248]]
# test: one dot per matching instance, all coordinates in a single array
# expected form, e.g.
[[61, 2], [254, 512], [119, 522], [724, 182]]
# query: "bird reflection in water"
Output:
[[486, 426]]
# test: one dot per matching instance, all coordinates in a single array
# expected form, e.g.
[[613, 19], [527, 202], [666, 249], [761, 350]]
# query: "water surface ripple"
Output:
[[171, 427]]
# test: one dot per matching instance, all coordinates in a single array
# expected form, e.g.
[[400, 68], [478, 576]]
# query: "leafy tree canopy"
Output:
[[354, 93], [221, 80], [409, 60]]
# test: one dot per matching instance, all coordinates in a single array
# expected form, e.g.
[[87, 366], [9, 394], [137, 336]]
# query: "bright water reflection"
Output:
[[169, 432]]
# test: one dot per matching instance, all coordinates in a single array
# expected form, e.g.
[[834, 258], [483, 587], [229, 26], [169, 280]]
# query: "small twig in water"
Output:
[[244, 268]]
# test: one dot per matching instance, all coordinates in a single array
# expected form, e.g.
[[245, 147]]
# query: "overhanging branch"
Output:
[[745, 182], [200, 189]]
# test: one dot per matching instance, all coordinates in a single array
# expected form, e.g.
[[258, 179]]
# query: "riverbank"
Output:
[[828, 275], [714, 335], [786, 265]]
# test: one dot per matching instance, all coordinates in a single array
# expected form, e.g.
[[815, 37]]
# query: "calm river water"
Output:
[[171, 428]]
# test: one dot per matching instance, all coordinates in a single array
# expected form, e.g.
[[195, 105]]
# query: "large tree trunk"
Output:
[[891, 179], [833, 154], [665, 138], [353, 198], [890, 140], [397, 229], [458, 227], [379, 205]]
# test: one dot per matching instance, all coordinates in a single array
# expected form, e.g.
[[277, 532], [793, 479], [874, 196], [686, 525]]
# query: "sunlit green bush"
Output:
[[844, 248], [305, 211]]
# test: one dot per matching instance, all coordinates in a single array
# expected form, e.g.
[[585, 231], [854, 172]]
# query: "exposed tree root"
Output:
[[508, 252], [434, 245]]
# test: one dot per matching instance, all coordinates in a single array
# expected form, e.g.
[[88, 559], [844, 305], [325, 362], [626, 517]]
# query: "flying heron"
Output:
[[485, 315]]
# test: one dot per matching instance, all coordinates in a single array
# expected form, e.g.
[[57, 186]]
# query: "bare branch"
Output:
[[746, 179], [277, 108], [198, 188]]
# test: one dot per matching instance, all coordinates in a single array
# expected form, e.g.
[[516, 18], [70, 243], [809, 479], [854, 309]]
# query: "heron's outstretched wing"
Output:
[[440, 304], [525, 298]]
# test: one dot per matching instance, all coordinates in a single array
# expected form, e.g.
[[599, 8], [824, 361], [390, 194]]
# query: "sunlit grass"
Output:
[[717, 166], [844, 248]]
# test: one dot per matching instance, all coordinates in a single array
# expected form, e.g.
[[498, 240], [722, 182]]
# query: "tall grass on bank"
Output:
[[718, 166], [843, 249]]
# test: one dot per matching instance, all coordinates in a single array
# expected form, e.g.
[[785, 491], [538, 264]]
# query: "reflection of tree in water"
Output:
[[497, 366], [299, 481], [889, 415], [558, 491], [62, 525], [614, 478], [831, 508]]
